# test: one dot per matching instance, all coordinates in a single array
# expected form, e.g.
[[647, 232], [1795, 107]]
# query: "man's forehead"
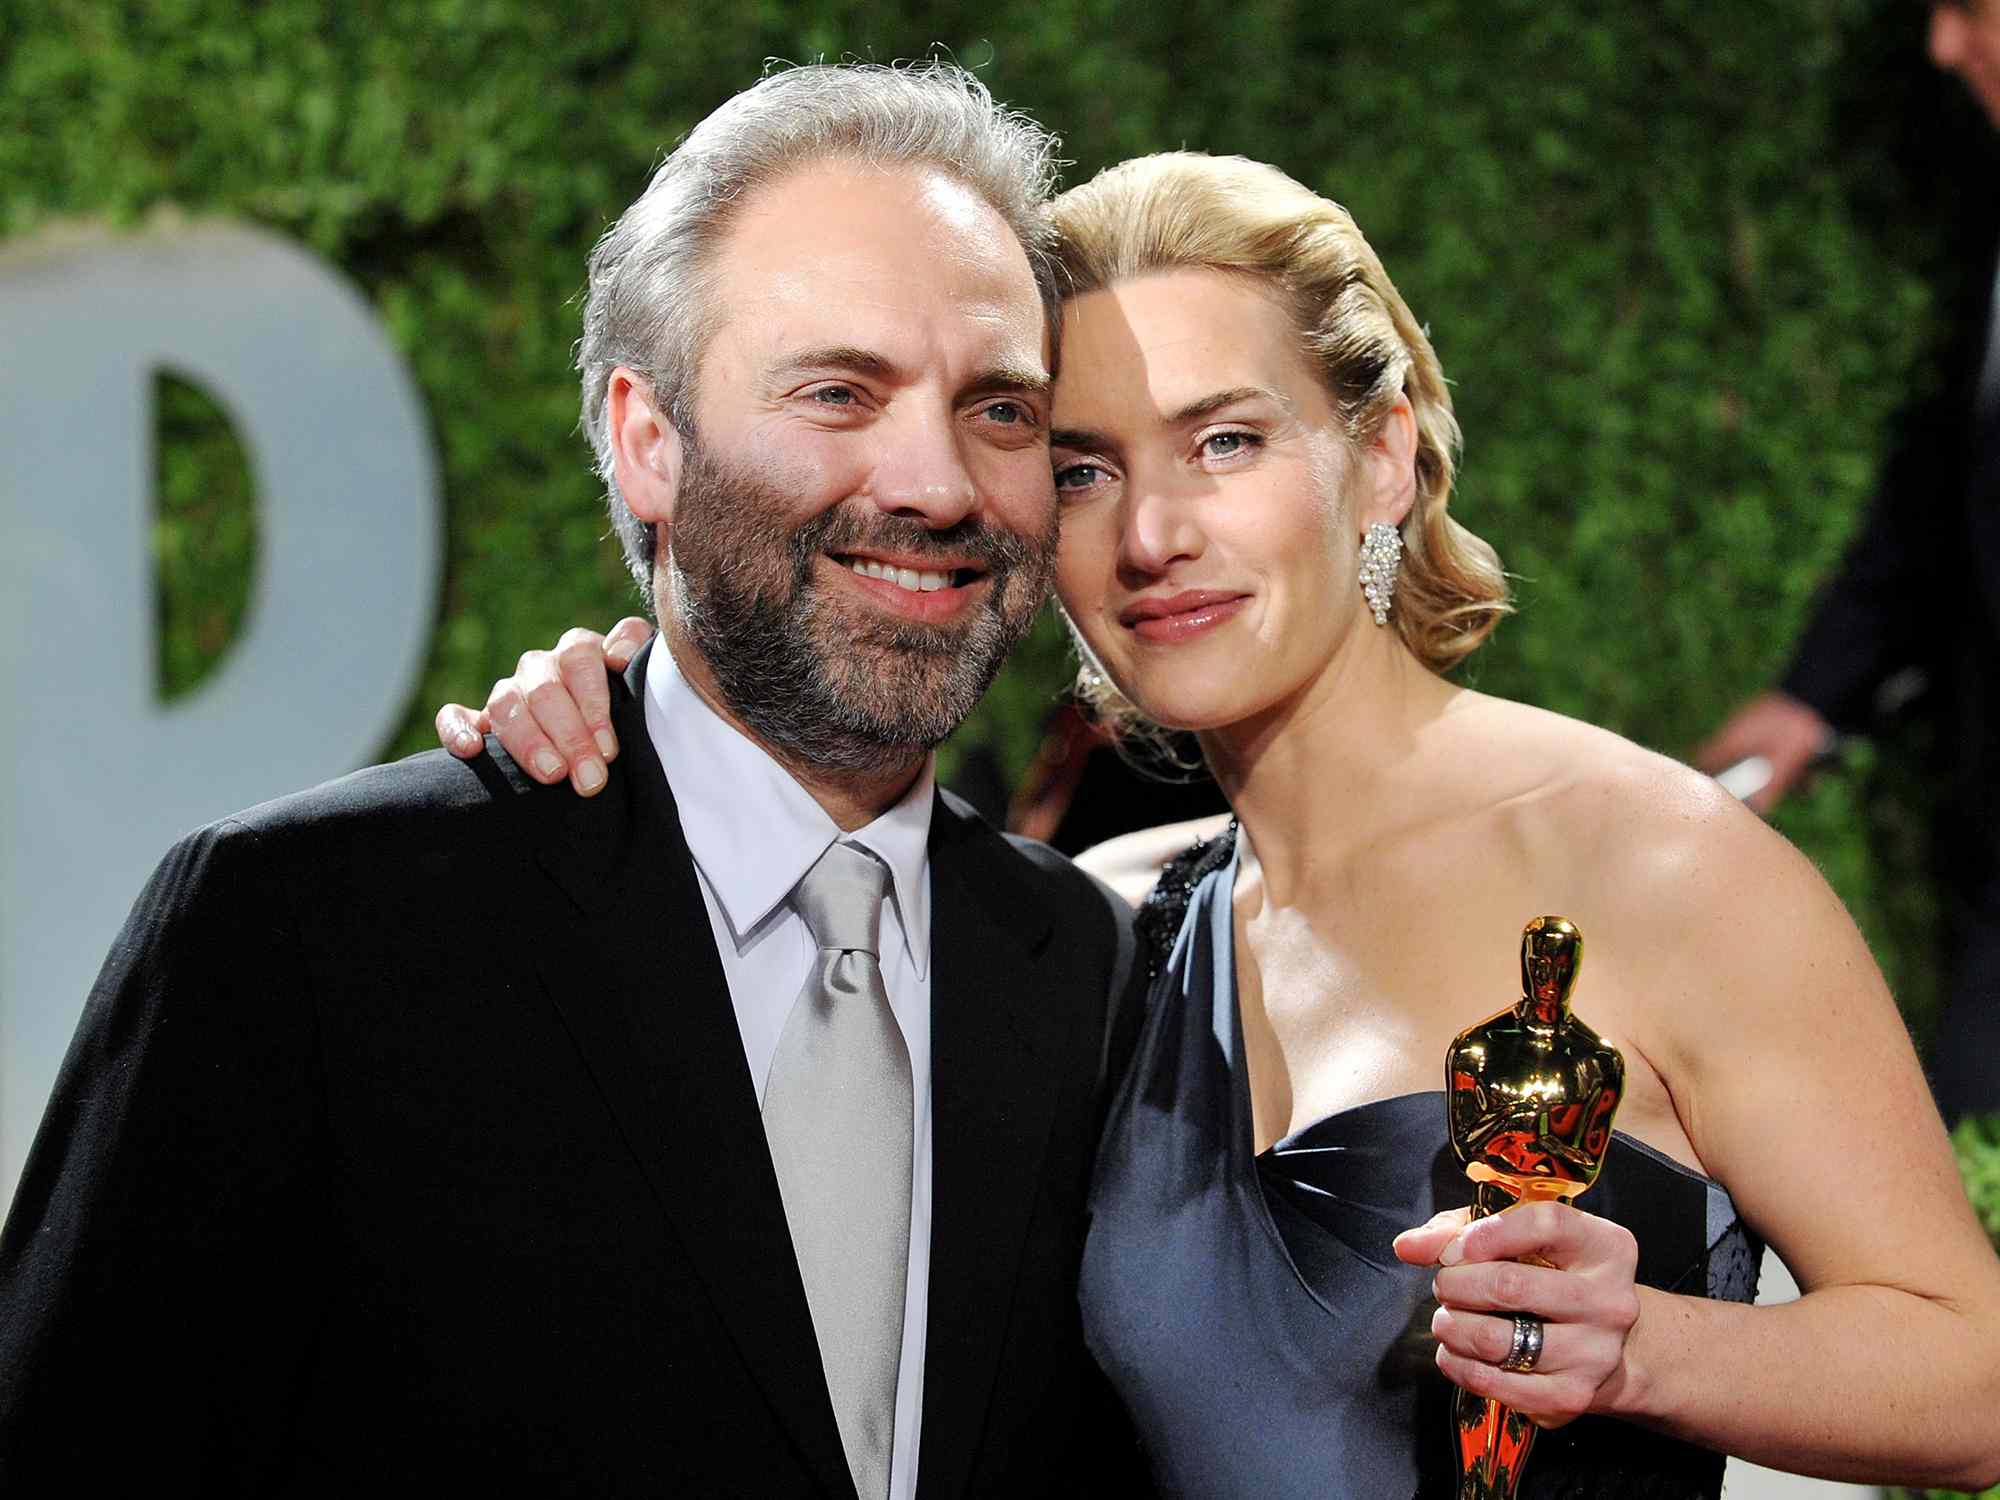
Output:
[[843, 217], [905, 257], [777, 346]]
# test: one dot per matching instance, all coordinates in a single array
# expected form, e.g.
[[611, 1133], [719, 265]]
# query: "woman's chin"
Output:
[[1193, 708]]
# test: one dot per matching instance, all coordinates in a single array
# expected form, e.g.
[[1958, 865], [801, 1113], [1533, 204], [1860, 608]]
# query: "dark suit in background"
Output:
[[408, 1143], [1920, 589]]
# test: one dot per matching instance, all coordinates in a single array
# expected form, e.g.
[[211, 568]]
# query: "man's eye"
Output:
[[1078, 476], [834, 395], [1227, 444], [1008, 412]]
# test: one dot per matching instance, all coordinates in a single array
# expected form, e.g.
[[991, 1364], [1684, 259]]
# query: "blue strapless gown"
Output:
[[1250, 1312]]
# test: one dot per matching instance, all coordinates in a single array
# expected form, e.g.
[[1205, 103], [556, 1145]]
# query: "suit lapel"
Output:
[[630, 963], [996, 1040]]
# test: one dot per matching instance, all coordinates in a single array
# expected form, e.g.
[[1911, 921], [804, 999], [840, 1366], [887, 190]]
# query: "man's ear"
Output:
[[645, 446], [1388, 470]]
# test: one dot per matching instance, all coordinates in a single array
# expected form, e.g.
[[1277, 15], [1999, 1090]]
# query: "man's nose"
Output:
[[922, 473]]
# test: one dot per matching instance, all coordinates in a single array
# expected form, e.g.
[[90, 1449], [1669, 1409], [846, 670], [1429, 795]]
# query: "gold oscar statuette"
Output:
[[1530, 1092]]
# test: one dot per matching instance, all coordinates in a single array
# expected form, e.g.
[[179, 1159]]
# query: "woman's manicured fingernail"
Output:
[[607, 743], [548, 762], [589, 775], [1453, 1252]]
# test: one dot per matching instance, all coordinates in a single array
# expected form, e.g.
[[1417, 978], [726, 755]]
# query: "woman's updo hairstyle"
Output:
[[1184, 210]]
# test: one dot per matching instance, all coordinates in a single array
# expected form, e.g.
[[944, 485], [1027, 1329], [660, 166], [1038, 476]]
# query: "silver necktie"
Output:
[[838, 1116]]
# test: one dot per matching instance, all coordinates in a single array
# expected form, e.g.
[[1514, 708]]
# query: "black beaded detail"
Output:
[[1165, 907], [1734, 1264]]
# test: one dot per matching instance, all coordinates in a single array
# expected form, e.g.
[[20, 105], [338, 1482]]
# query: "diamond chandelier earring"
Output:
[[1381, 554]]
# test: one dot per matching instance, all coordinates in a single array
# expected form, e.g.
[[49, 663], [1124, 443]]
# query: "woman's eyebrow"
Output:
[[1080, 437], [1194, 411], [1205, 406]]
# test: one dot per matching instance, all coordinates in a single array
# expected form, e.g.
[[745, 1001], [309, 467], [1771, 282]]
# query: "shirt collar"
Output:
[[754, 831]]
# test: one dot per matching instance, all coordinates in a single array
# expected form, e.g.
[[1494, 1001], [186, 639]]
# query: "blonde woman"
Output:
[[1254, 449]]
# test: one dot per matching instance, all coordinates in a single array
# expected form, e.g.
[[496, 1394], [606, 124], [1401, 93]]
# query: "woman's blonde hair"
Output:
[[1181, 210]]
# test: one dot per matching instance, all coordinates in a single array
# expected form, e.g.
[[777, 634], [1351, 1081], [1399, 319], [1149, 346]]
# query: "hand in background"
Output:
[[1777, 727], [554, 714]]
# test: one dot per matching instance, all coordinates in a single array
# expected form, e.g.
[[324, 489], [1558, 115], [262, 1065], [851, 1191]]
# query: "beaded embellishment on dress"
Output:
[[1165, 907]]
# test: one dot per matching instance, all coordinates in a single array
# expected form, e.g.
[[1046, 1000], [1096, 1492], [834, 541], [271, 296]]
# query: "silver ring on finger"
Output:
[[1526, 1351]]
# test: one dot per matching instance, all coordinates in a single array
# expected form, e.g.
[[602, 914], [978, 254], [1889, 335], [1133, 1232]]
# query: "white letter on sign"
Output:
[[99, 776]]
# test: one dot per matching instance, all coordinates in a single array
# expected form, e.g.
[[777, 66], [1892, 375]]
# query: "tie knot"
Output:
[[841, 897]]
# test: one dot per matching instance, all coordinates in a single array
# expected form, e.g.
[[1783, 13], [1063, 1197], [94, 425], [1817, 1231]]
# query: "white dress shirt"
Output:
[[754, 832]]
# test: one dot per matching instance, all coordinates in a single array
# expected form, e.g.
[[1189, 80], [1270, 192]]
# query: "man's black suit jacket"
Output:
[[408, 1142]]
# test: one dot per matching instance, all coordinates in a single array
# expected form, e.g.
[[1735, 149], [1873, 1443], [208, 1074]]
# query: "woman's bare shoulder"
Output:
[[1593, 776], [1666, 836], [1734, 940], [1684, 857], [1130, 864]]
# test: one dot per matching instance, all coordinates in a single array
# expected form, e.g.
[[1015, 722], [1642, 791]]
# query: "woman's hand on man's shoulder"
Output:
[[553, 714]]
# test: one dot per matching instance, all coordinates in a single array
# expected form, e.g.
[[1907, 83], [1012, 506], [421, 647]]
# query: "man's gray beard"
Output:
[[825, 682]]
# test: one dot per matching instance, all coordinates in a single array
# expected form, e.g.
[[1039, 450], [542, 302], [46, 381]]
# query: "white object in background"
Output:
[[97, 777], [1745, 778], [1741, 1481]]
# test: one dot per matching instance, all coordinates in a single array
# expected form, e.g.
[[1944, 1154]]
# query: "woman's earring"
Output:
[[1381, 553]]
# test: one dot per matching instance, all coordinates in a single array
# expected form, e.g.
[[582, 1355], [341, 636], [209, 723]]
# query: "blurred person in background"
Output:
[[1083, 787], [1919, 597]]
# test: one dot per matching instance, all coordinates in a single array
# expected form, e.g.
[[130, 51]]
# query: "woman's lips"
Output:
[[1180, 616]]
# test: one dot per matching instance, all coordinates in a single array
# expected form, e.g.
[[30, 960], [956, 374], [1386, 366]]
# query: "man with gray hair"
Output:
[[724, 1134]]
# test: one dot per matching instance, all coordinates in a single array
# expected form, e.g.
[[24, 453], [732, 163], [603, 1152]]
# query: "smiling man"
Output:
[[723, 1134], [857, 485]]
